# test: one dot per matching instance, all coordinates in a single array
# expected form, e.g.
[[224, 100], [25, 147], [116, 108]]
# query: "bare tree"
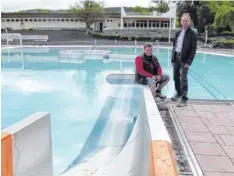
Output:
[[88, 11]]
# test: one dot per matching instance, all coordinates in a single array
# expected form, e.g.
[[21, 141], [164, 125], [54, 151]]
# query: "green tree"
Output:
[[42, 10], [140, 9], [223, 14], [204, 13], [224, 17], [215, 5], [205, 16], [161, 6], [88, 11]]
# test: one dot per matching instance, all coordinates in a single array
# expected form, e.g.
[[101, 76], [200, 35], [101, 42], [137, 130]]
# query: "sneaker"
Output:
[[176, 97], [161, 96], [182, 103]]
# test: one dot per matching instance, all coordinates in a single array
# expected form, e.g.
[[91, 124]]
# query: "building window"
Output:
[[58, 20], [39, 20], [26, 20], [12, 20], [107, 20], [17, 20], [111, 20], [67, 20], [21, 20], [53, 20], [76, 20], [44, 20], [49, 20], [72, 20], [3, 20], [35, 20], [161, 24], [157, 24], [8, 20], [118, 24], [62, 20]]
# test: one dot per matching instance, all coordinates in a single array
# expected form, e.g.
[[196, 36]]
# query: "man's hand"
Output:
[[158, 78], [186, 66], [154, 78]]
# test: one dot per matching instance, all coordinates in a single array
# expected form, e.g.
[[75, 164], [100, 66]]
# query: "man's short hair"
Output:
[[148, 45], [186, 14]]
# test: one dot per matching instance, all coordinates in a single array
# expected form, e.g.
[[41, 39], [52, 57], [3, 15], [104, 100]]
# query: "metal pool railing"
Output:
[[9, 37], [21, 56]]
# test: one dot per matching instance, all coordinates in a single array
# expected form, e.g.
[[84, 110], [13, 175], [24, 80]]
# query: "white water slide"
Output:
[[117, 145]]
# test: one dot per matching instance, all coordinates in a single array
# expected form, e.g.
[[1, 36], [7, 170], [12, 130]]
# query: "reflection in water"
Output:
[[204, 58], [17, 55], [168, 57], [87, 79]]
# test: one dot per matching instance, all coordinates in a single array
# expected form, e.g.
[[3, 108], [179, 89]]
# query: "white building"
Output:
[[150, 20], [51, 21], [57, 21]]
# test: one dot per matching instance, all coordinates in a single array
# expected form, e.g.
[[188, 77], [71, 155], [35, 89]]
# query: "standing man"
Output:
[[183, 53], [149, 71]]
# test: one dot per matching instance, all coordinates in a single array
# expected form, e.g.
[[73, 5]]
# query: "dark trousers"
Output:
[[180, 78], [163, 82]]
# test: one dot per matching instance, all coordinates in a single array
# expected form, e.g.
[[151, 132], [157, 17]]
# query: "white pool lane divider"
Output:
[[26, 147]]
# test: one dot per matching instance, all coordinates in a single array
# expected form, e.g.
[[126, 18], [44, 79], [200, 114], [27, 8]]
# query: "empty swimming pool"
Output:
[[77, 94]]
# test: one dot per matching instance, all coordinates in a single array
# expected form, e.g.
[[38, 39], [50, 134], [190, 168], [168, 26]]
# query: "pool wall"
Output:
[[27, 148], [162, 160]]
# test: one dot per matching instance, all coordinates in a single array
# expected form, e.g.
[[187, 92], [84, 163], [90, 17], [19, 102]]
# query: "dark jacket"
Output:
[[189, 46]]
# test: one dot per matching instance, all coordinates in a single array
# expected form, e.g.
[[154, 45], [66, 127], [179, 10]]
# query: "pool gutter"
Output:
[[184, 142]]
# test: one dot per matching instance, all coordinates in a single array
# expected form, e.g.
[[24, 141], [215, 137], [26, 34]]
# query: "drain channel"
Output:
[[185, 160]]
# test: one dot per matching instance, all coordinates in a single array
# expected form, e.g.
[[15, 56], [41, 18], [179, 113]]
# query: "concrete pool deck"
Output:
[[209, 129]]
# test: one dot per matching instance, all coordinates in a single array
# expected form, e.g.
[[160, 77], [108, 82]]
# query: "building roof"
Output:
[[154, 14], [50, 15]]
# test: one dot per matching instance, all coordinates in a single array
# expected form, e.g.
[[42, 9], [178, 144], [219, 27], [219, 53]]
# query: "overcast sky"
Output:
[[15, 5]]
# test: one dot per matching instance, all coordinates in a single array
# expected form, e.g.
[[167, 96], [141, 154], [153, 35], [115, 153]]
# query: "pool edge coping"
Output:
[[161, 146]]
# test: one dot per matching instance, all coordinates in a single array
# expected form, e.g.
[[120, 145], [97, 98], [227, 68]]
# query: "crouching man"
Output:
[[149, 71]]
